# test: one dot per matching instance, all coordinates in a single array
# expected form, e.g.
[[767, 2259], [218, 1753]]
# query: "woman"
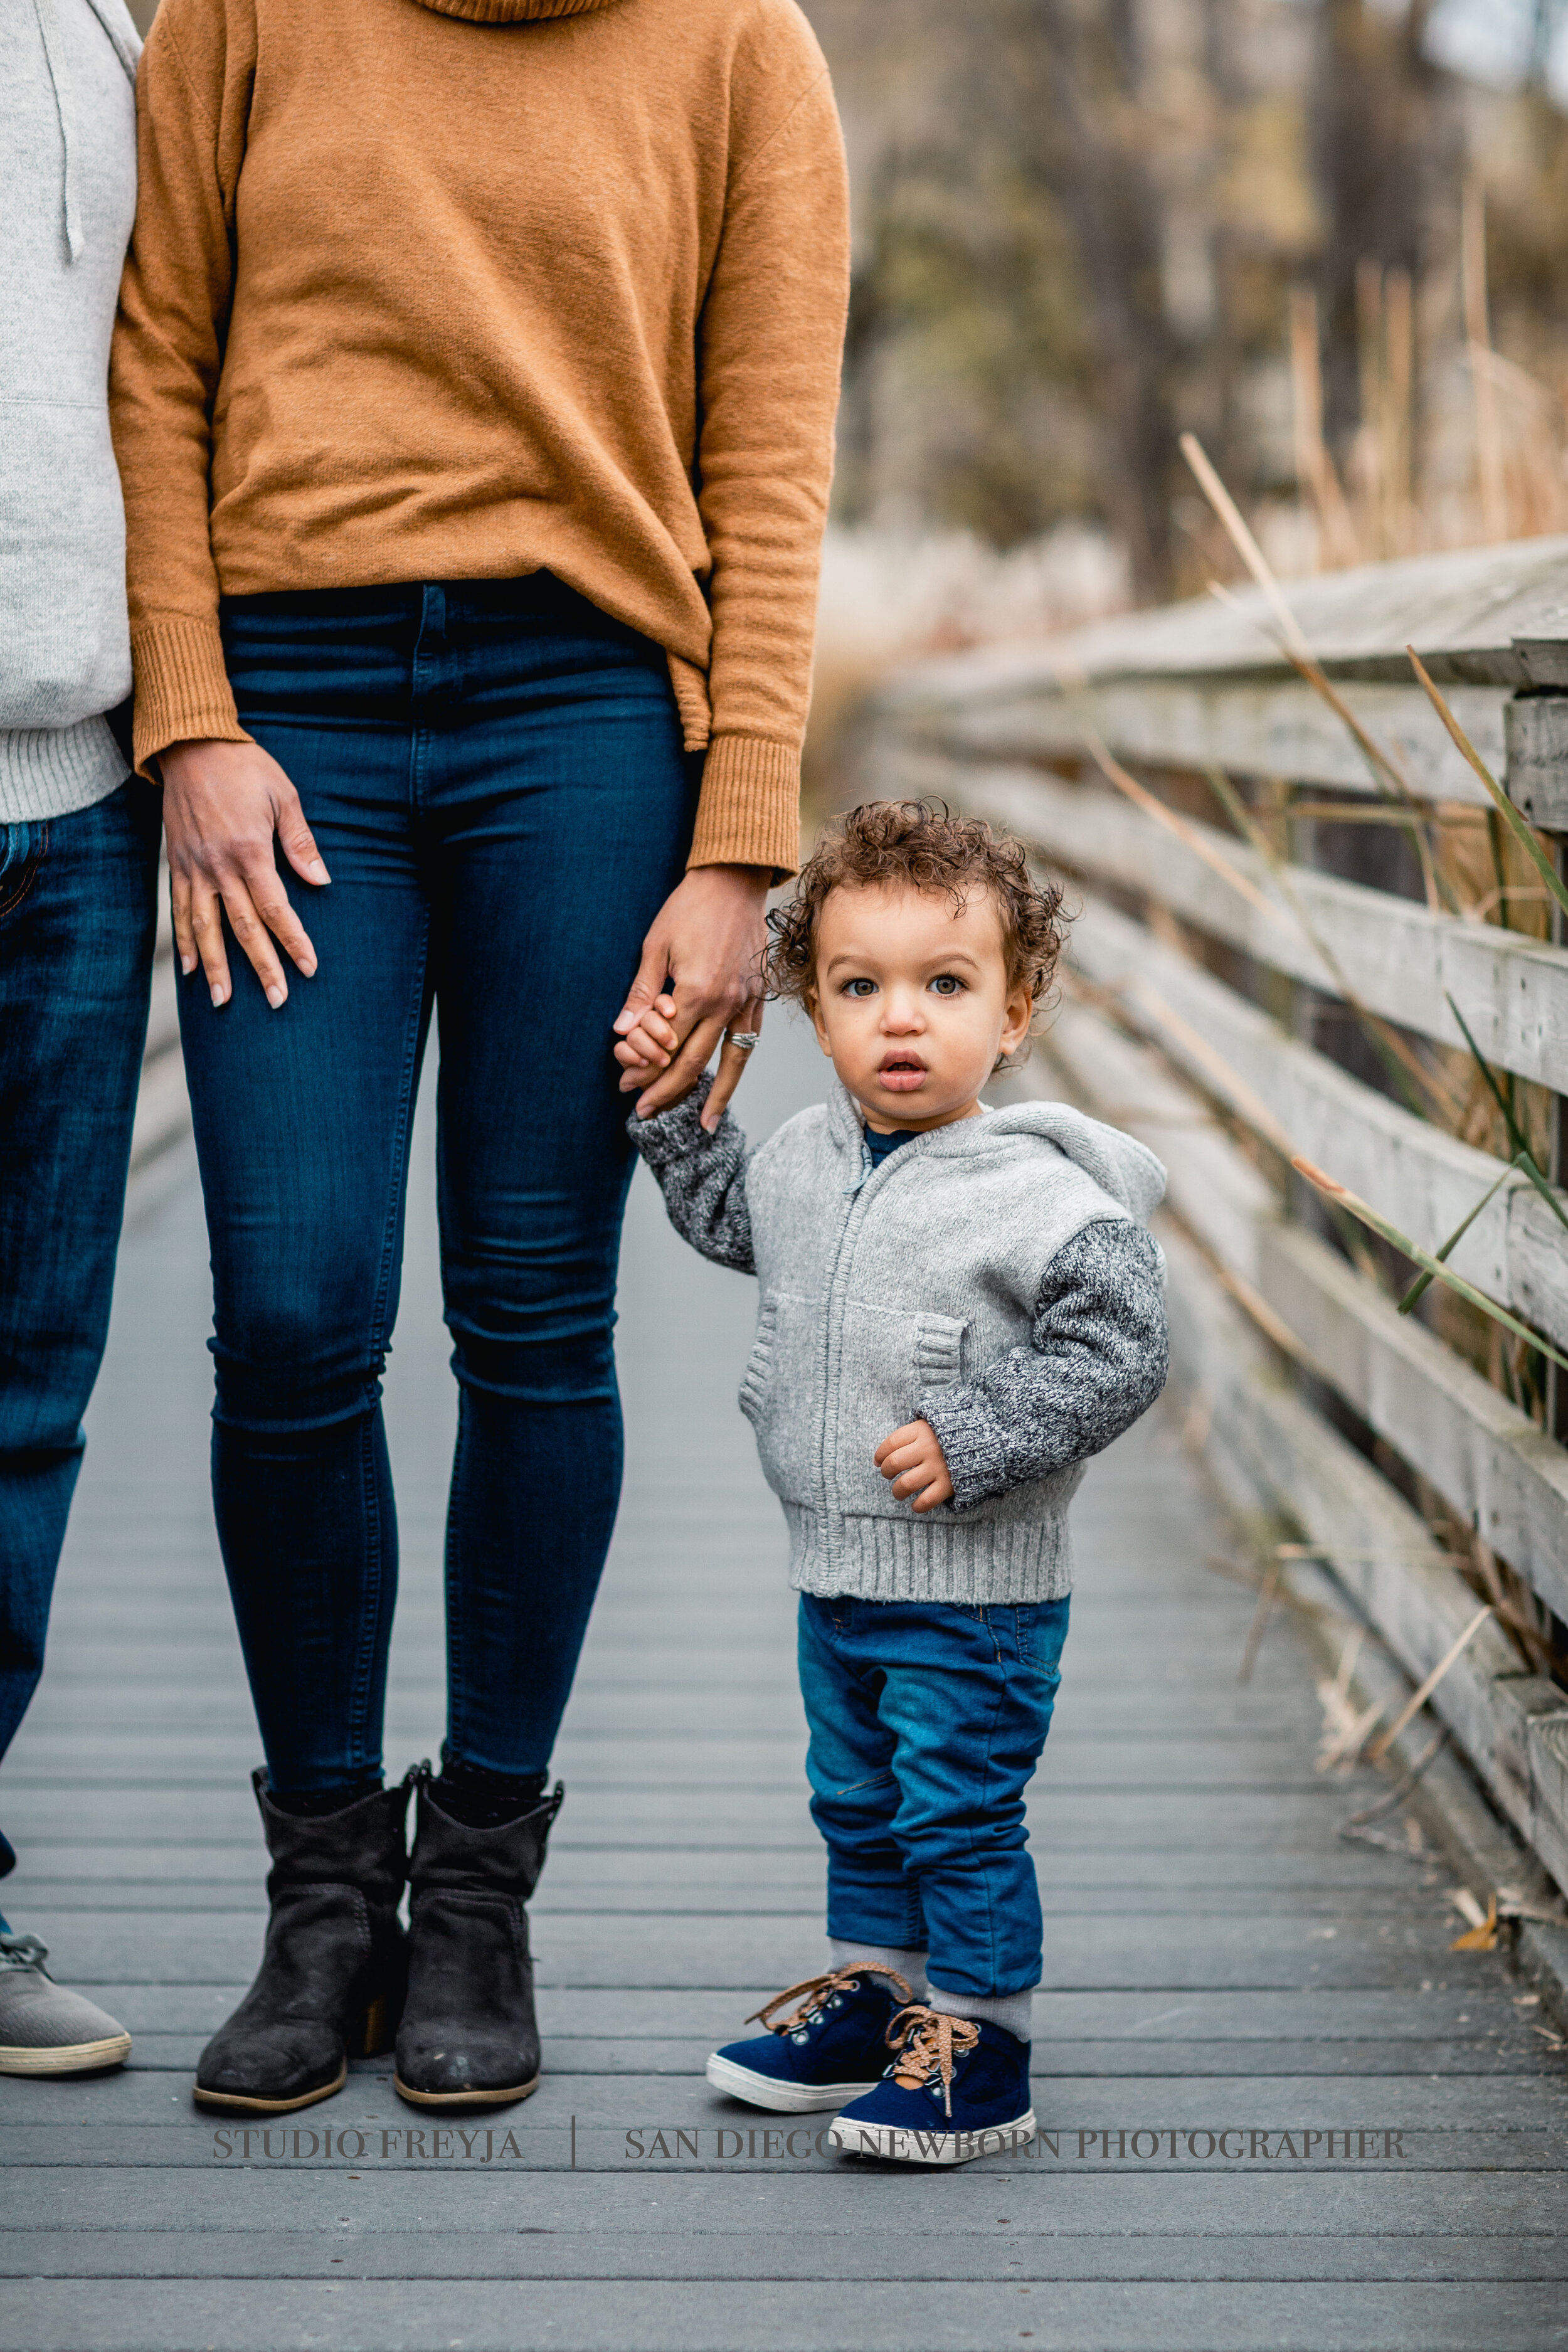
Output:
[[473, 392]]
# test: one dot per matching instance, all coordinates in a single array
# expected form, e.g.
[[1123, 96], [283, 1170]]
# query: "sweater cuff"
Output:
[[675, 1133], [183, 693], [972, 1441], [749, 813]]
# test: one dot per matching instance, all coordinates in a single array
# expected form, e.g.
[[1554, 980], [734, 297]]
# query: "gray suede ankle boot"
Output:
[[469, 2037], [332, 1976]]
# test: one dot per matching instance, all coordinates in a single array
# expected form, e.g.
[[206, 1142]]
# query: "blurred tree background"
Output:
[[1331, 237]]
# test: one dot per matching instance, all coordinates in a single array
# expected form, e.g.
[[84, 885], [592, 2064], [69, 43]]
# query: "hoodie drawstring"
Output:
[[49, 33]]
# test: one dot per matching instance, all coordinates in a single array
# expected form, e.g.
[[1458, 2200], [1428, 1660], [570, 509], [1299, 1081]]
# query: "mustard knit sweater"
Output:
[[455, 290]]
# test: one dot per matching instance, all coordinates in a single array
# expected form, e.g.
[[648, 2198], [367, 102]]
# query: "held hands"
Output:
[[224, 804], [913, 1461], [707, 940]]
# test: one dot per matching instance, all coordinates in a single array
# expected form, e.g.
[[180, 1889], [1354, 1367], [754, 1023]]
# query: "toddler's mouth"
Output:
[[901, 1073]]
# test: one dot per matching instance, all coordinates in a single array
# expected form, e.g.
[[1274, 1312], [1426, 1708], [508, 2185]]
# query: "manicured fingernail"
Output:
[[220, 993], [309, 969], [275, 995], [317, 872], [187, 965]]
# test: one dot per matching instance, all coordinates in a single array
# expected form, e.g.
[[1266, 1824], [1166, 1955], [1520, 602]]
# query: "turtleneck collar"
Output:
[[511, 12]]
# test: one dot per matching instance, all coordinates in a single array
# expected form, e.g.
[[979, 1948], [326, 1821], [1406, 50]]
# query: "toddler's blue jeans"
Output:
[[926, 1720], [494, 774]]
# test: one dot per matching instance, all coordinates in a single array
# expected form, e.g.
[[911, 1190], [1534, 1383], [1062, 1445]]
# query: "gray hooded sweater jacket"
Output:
[[67, 198], [993, 1277]]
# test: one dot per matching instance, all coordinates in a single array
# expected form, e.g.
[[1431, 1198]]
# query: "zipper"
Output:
[[868, 1182]]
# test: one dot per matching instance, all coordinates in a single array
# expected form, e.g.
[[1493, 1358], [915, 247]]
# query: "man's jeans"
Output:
[[927, 1721], [494, 776], [78, 912]]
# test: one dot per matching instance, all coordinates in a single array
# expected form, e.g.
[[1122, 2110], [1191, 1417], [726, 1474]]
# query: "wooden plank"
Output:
[[1489, 1460], [1495, 615], [1426, 1182], [723, 2313], [1498, 1470], [1401, 962], [1535, 729], [1252, 727], [637, 2254], [1271, 1442], [163, 1105]]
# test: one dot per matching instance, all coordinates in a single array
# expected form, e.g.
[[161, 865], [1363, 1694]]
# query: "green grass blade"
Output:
[[1378, 1224], [1423, 1282], [1510, 1122]]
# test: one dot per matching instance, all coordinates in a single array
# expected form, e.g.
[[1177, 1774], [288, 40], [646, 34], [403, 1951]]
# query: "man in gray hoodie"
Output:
[[78, 850]]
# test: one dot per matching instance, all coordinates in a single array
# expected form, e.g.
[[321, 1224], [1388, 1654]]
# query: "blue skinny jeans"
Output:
[[927, 1721], [78, 913], [494, 774]]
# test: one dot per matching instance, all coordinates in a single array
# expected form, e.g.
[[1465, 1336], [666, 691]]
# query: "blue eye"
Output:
[[859, 988], [947, 983]]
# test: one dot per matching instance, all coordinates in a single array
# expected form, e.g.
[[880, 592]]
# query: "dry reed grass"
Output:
[[1381, 507]]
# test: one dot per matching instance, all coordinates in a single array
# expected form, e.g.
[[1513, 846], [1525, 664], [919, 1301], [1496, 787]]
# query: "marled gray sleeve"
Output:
[[701, 1176], [1098, 1357]]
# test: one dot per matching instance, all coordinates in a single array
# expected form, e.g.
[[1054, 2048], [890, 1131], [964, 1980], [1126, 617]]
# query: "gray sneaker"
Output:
[[45, 2028]]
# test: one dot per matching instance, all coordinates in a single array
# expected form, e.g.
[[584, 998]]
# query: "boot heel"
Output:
[[378, 2027]]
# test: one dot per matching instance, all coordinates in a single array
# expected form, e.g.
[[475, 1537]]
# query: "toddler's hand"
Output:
[[916, 1464], [649, 1047]]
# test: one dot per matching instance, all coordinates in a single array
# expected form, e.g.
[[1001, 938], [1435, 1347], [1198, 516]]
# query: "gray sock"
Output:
[[911, 1966], [1013, 2011]]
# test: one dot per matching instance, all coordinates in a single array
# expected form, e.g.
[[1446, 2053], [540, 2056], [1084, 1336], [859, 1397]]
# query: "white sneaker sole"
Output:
[[895, 2146], [781, 2098], [70, 2058]]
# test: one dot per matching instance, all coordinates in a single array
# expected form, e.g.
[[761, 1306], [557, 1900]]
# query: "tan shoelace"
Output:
[[928, 2040], [812, 1992]]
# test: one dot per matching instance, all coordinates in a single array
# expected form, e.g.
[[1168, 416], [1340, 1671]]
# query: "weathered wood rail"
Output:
[[1281, 1342]]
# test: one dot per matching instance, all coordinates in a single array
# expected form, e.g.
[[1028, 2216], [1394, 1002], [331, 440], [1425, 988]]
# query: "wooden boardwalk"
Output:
[[1217, 1959]]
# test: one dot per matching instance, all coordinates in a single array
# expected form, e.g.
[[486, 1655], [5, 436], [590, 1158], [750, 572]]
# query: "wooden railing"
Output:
[[1206, 954]]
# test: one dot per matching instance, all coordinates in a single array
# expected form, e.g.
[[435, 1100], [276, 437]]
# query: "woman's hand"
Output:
[[223, 805], [912, 1459], [707, 941]]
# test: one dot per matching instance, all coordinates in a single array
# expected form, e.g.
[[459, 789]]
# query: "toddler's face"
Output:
[[913, 1001]]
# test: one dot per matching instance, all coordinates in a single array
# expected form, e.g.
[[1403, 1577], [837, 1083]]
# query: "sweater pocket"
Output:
[[781, 1393], [890, 1360]]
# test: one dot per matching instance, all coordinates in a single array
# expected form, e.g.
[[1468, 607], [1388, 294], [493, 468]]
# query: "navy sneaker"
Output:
[[959, 2088], [831, 2047]]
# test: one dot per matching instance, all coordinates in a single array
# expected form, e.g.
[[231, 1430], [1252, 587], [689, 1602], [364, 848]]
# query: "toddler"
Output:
[[958, 1306]]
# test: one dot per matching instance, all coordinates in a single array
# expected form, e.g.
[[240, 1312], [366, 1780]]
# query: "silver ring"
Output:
[[744, 1041]]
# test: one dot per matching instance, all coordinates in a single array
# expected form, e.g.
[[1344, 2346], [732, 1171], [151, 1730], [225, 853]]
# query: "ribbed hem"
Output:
[[972, 1441], [183, 693], [509, 11], [749, 813], [977, 1563], [54, 770]]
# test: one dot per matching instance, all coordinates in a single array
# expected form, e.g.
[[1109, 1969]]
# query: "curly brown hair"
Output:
[[921, 845]]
